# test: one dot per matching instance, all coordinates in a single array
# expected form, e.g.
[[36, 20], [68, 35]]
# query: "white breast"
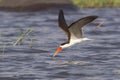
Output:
[[74, 41]]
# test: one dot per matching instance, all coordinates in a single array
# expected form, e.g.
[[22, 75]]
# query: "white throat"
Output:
[[74, 41]]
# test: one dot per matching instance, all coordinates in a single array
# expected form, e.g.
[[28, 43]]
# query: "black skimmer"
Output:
[[74, 31]]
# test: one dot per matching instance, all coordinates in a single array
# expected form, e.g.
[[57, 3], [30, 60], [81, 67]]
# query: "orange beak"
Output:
[[57, 51]]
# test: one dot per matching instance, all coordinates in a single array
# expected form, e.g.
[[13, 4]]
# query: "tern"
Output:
[[73, 32]]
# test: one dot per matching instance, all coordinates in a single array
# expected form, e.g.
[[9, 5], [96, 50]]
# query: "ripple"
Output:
[[93, 60]]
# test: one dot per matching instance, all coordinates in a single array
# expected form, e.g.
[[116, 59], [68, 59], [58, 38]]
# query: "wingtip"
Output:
[[60, 11], [95, 17], [91, 17]]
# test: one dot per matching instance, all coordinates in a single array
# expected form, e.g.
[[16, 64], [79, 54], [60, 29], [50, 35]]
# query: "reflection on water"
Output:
[[91, 60], [63, 62]]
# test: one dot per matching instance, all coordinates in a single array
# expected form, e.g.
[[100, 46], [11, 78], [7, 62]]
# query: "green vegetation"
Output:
[[23, 35], [32, 41], [20, 39], [96, 3], [0, 1], [3, 47]]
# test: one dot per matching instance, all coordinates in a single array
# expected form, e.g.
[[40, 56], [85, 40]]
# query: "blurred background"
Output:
[[36, 5], [29, 35]]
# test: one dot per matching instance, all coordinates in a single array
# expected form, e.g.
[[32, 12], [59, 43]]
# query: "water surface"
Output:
[[91, 60]]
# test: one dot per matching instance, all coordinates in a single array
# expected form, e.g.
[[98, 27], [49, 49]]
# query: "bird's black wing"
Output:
[[62, 23], [75, 28]]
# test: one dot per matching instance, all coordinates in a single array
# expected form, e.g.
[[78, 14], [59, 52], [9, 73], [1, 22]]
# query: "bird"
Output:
[[74, 31]]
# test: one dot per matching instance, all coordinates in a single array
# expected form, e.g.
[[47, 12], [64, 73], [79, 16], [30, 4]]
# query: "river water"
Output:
[[98, 59]]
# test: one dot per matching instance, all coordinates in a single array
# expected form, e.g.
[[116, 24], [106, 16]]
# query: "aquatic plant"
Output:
[[32, 41], [96, 3], [3, 47], [23, 35]]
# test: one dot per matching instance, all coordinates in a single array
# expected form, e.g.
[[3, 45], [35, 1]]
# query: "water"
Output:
[[91, 60]]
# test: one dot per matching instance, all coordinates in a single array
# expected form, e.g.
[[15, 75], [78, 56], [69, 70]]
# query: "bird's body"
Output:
[[74, 31], [72, 42]]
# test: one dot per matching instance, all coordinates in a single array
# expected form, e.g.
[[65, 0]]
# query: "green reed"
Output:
[[32, 41], [23, 35], [3, 48], [96, 3]]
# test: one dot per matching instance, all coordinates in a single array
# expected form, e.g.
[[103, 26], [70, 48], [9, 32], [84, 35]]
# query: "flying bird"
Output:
[[73, 32]]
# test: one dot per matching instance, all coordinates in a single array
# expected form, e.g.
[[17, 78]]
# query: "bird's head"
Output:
[[58, 50], [62, 46]]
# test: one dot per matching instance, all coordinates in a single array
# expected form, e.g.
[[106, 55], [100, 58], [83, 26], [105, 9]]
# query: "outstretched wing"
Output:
[[62, 23], [75, 28]]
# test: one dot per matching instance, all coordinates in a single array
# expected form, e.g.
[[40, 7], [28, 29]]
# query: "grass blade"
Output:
[[20, 39]]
